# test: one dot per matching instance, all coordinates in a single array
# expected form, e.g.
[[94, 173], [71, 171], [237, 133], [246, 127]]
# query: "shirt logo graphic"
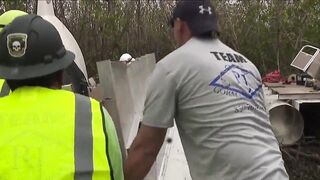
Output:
[[238, 80], [202, 10], [17, 44]]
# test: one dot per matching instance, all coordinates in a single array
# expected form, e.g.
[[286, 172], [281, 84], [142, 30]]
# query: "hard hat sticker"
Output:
[[17, 44]]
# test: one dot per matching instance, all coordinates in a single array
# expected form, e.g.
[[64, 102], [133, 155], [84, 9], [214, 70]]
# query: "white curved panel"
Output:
[[45, 10], [125, 87]]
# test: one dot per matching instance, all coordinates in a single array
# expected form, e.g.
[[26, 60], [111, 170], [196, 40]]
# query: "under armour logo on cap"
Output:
[[202, 9], [199, 14], [17, 44]]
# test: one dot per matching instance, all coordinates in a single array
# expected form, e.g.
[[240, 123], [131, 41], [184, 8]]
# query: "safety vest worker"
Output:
[[5, 19], [46, 132]]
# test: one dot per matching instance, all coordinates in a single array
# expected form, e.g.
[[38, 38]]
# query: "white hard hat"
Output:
[[126, 58]]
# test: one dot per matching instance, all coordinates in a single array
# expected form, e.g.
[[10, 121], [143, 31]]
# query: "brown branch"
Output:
[[300, 31], [315, 157]]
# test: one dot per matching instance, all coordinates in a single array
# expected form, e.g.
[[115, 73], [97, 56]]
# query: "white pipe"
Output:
[[46, 11]]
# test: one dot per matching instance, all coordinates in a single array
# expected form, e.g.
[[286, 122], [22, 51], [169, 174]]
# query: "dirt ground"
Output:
[[302, 161]]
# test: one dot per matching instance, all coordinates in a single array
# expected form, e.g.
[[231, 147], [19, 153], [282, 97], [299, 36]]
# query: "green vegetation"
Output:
[[268, 32]]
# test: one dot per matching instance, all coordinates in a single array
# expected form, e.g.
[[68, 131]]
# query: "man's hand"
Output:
[[143, 152]]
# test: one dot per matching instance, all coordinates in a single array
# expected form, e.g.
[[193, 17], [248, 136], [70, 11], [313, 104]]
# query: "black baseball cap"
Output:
[[199, 15]]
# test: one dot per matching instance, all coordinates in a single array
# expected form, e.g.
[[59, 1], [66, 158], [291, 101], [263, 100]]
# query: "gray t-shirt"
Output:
[[215, 96]]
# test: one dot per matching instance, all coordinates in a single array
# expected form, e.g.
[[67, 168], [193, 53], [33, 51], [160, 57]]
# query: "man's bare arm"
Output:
[[143, 152]]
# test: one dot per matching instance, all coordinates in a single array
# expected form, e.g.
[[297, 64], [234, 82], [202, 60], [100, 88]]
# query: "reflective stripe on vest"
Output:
[[4, 88], [83, 142], [51, 134]]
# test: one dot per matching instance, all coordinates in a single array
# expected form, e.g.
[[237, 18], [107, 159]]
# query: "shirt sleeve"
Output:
[[114, 152], [160, 103]]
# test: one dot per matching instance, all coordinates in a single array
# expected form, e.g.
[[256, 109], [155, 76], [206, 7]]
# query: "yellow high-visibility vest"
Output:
[[51, 135], [4, 88]]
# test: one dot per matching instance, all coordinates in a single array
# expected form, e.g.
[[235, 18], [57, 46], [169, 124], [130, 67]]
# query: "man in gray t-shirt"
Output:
[[215, 96]]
